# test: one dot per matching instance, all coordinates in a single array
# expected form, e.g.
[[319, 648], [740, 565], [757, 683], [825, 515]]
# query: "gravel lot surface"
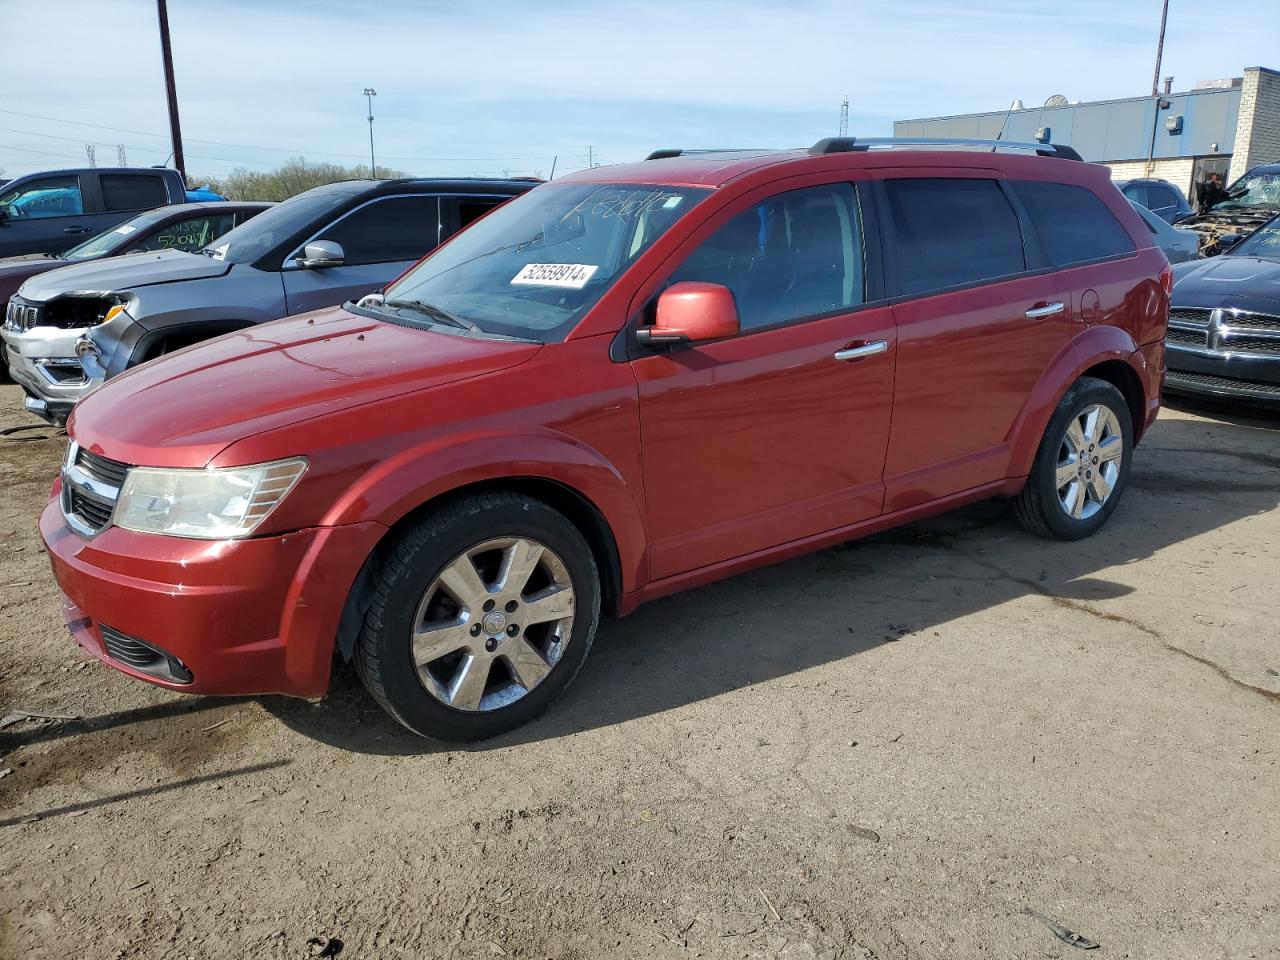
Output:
[[888, 749]]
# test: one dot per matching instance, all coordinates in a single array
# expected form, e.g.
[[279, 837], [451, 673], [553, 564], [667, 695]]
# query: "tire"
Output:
[[422, 585], [1077, 508]]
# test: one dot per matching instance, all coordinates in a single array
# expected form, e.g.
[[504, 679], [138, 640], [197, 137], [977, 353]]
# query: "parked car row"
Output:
[[616, 385], [320, 248]]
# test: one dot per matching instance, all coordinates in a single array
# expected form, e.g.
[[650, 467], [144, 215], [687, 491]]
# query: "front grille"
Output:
[[1185, 336], [95, 513], [1250, 345], [1254, 321], [143, 657], [1190, 316], [102, 469], [1207, 381], [21, 315], [90, 487]]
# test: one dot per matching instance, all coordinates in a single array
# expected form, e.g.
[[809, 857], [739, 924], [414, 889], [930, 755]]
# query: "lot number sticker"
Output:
[[573, 276]]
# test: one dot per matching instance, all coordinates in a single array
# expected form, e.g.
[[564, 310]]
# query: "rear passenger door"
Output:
[[380, 239], [979, 319]]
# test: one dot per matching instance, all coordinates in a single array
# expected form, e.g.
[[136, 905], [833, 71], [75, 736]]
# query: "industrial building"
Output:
[[1219, 126]]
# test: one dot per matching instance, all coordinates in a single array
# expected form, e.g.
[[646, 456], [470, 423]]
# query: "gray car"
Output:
[[323, 247], [1178, 243]]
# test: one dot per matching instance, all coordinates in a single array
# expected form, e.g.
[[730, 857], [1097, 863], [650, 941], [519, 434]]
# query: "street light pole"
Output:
[[175, 131], [369, 94]]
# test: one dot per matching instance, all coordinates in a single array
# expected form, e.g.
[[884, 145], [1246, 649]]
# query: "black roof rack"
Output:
[[852, 144], [670, 152]]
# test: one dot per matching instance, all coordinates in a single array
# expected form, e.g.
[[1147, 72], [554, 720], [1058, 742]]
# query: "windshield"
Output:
[[1252, 190], [273, 226], [1263, 242], [537, 264], [115, 238]]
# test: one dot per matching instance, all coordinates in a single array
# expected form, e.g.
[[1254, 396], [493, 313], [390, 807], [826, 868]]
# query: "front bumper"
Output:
[[1210, 373], [43, 362], [255, 616]]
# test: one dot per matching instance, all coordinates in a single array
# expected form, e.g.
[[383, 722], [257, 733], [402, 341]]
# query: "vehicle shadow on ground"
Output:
[[1189, 477]]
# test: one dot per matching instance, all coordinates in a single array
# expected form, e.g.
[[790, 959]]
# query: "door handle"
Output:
[[76, 229], [1046, 310], [862, 350]]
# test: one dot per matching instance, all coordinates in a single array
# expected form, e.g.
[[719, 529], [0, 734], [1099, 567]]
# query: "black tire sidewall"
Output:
[[411, 703], [1044, 475]]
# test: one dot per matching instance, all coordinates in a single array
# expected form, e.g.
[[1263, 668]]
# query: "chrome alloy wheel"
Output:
[[1089, 461], [493, 624]]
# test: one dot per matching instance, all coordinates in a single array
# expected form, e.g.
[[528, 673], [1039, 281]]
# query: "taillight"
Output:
[[1166, 280]]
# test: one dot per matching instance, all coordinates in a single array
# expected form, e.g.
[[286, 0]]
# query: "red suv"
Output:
[[624, 383]]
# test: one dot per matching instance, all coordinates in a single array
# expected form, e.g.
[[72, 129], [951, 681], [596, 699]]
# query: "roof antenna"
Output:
[[1015, 105]]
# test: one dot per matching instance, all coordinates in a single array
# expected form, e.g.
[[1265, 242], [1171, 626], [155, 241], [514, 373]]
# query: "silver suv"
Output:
[[321, 248]]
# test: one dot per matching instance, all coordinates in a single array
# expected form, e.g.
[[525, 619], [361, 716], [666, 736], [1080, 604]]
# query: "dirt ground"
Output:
[[888, 749]]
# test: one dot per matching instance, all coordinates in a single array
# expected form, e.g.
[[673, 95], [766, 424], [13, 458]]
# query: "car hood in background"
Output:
[[123, 273], [181, 410], [1246, 283], [14, 270]]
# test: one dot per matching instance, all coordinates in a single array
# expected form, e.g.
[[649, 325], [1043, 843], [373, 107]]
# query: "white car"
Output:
[[1178, 243]]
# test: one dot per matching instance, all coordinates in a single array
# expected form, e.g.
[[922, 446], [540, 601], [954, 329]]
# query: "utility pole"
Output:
[[1155, 78], [369, 94], [591, 157], [175, 130], [844, 117], [1155, 90]]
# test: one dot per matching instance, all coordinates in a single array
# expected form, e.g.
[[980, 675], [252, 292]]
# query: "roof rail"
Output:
[[668, 153], [851, 144]]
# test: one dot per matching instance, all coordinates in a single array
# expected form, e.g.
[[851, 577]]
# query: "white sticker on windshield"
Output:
[[672, 203], [125, 229], [573, 276]]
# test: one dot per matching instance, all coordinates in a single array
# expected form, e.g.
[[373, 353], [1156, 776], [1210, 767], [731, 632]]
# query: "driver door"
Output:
[[779, 433], [380, 240]]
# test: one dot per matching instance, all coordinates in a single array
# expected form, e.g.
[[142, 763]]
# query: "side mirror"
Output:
[[1228, 240], [691, 313], [320, 254]]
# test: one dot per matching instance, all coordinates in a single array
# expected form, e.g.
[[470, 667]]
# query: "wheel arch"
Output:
[[1105, 352], [572, 503], [186, 334]]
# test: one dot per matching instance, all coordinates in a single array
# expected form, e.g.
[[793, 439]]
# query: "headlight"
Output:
[[212, 504]]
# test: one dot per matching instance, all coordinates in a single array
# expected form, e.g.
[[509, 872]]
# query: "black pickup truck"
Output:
[[52, 211]]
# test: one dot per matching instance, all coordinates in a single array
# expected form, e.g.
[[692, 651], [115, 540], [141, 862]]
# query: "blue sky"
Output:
[[498, 86]]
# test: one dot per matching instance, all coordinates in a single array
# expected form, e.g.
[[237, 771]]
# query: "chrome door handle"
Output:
[[1048, 310], [864, 350]]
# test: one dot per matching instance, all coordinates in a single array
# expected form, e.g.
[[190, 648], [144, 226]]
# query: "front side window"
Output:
[[951, 232], [386, 231], [534, 266], [45, 197], [190, 234], [132, 191], [1074, 225], [795, 255]]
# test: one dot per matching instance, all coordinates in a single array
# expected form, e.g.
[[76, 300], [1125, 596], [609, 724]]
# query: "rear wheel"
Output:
[[1082, 466], [483, 613]]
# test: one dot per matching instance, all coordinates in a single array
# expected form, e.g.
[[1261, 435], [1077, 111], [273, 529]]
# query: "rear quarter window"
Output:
[[950, 233], [1073, 223]]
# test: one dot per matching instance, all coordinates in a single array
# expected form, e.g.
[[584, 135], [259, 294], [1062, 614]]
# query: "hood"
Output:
[[123, 273], [1246, 283], [181, 410]]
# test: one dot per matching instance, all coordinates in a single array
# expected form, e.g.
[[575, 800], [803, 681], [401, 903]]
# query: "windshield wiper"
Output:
[[435, 313]]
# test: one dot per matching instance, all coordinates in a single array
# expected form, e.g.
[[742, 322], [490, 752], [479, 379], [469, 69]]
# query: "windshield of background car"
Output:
[[536, 265], [115, 238], [1263, 242], [273, 226], [1252, 190]]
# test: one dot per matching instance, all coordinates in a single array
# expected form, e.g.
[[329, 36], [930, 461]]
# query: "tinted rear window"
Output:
[[1074, 225], [950, 233], [132, 191]]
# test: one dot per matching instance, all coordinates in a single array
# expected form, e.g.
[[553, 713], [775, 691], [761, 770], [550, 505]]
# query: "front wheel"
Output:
[[483, 613], [1082, 466]]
